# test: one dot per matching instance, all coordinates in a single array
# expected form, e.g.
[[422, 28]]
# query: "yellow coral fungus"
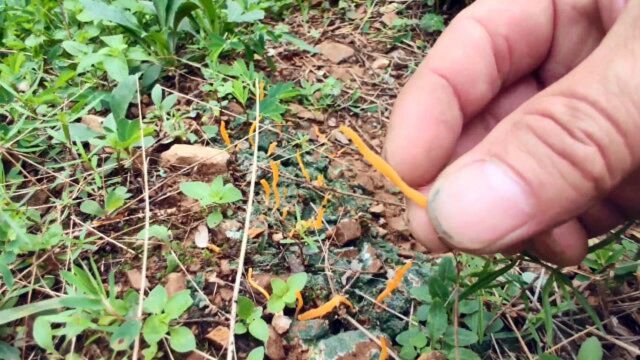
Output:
[[285, 213], [275, 168], [325, 308], [267, 190], [224, 133], [377, 162], [384, 348], [252, 130], [317, 223], [300, 303], [261, 94], [320, 180], [303, 170], [395, 282], [272, 148], [255, 284], [318, 134]]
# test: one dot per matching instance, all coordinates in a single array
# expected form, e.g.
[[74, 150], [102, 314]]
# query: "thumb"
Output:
[[553, 157]]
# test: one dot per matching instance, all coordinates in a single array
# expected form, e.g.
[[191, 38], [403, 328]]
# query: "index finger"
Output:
[[487, 47]]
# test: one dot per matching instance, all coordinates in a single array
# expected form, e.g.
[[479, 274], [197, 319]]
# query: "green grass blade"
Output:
[[486, 279]]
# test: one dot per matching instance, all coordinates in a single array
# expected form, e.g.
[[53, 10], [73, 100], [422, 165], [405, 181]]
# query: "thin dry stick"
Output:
[[245, 232], [370, 335], [522, 343], [147, 217]]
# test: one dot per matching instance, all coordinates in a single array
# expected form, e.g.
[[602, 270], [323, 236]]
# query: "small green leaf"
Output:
[[591, 349], [115, 199], [8, 352], [125, 334], [154, 328], [181, 339], [464, 354], [178, 304], [116, 67], [229, 194], [245, 307], [91, 207], [150, 352], [279, 287], [156, 300], [214, 219], [256, 354], [275, 304], [236, 13], [196, 190], [437, 320], [159, 232], [240, 329], [122, 96], [259, 329], [156, 95], [43, 334], [465, 337], [432, 22], [296, 282]]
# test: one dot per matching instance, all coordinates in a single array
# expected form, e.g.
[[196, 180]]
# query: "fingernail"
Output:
[[479, 205]]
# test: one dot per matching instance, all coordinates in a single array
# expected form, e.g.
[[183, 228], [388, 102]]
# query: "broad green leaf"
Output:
[[95, 10], [422, 312], [245, 307], [75, 48], [87, 61], [229, 194], [125, 334], [256, 354], [279, 287], [91, 207], [150, 352], [240, 329], [214, 219], [431, 22], [42, 334], [156, 95], [412, 337], [81, 132], [159, 232], [210, 131], [156, 300], [115, 41], [122, 96], [276, 304], [437, 320], [154, 328], [195, 189], [549, 357], [464, 354], [116, 67], [408, 353], [181, 339], [465, 337], [591, 349], [115, 199], [296, 282], [446, 269], [8, 352], [259, 329], [438, 289], [178, 304], [236, 13]]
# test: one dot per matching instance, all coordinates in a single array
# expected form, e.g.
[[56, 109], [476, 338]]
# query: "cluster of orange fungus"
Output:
[[325, 308], [377, 162], [303, 170], [224, 133], [275, 168], [255, 284], [395, 282], [267, 190]]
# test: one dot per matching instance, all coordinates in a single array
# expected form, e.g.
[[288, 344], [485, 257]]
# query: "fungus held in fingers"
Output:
[[325, 308], [384, 348], [378, 162], [255, 284], [275, 168], [395, 282], [267, 190], [303, 170], [224, 133]]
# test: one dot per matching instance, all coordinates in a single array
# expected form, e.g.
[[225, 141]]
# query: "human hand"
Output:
[[523, 125]]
